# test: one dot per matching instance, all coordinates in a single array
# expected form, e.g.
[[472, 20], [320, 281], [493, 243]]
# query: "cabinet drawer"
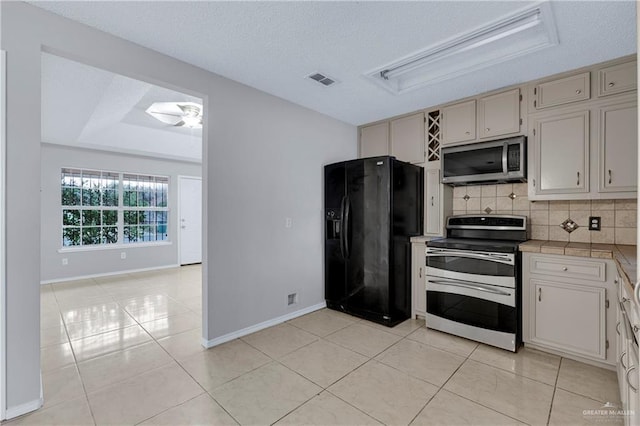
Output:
[[617, 79], [569, 268], [563, 91]]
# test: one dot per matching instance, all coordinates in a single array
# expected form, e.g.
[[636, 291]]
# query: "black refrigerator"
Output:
[[373, 206]]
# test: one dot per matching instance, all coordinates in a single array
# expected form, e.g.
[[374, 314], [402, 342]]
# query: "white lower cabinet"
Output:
[[628, 333], [555, 324], [567, 311], [418, 280]]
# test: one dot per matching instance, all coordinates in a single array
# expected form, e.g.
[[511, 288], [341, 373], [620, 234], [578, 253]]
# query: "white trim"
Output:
[[130, 152], [260, 326], [3, 127], [115, 246], [108, 274], [25, 408]]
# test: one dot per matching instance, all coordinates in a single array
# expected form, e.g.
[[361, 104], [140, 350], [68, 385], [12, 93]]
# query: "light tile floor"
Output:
[[126, 350]]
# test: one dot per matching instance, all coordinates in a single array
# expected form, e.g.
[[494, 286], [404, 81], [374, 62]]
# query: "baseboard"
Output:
[[107, 274], [260, 326], [23, 408]]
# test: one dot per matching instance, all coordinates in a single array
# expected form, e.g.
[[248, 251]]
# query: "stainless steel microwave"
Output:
[[498, 161]]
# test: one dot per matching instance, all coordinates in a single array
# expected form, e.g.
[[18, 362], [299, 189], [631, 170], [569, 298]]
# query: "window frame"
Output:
[[119, 208]]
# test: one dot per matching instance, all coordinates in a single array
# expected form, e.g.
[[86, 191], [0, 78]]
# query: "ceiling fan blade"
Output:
[[165, 113]]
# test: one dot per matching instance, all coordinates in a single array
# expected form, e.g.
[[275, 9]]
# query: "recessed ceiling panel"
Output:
[[88, 107]]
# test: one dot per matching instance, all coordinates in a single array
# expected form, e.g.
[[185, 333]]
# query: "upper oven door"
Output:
[[470, 265]]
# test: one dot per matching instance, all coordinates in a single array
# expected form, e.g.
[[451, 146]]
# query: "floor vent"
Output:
[[322, 79], [292, 299]]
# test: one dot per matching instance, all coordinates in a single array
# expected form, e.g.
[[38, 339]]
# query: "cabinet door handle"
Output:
[[432, 201], [633, 388], [488, 129], [578, 91], [534, 183], [564, 268], [578, 184], [612, 84], [539, 294], [420, 273], [618, 328], [621, 360], [609, 176], [467, 133]]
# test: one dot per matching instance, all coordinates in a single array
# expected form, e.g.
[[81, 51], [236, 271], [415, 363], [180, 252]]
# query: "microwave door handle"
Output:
[[505, 150], [473, 286]]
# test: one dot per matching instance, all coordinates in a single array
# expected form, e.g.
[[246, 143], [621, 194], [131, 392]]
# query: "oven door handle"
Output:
[[474, 286], [500, 258]]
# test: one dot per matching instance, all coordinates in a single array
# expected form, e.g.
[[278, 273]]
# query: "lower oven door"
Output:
[[474, 310]]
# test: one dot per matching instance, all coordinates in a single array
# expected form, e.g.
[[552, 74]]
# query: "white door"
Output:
[[190, 193]]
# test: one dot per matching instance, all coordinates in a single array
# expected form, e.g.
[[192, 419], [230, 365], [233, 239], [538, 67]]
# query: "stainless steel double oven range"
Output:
[[474, 280]]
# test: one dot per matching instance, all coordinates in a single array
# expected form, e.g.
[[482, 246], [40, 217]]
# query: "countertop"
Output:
[[623, 255], [421, 239]]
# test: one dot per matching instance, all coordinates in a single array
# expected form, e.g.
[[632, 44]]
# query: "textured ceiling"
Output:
[[272, 46]]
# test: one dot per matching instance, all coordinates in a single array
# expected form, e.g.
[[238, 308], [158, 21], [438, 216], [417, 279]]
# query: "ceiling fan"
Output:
[[179, 114]]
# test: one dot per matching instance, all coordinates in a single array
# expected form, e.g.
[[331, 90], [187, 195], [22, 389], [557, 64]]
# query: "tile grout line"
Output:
[[555, 387], [75, 363], [125, 349], [441, 387]]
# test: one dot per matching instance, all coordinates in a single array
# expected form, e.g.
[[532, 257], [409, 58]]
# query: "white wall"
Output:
[[107, 260], [262, 161]]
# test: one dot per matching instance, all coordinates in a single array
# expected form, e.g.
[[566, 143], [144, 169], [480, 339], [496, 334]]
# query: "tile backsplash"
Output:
[[617, 217]]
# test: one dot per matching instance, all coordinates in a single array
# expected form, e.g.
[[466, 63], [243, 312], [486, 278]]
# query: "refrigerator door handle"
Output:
[[346, 218], [342, 227]]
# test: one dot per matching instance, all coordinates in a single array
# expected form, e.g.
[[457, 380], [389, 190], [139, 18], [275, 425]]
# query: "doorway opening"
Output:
[[115, 150]]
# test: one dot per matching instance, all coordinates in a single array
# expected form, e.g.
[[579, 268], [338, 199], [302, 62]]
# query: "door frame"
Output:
[[179, 191], [3, 127]]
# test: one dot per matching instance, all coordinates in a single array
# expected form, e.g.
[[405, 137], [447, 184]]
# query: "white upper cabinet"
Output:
[[618, 147], [459, 122], [561, 91], [617, 79], [407, 138], [374, 140], [499, 114], [432, 203], [561, 154]]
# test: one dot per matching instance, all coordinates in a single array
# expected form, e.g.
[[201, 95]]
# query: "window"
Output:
[[145, 208], [101, 208]]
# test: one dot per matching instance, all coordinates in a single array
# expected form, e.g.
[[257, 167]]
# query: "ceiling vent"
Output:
[[520, 33], [322, 79]]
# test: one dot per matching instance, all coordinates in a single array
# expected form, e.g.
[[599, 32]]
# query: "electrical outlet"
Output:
[[65, 261], [594, 223], [123, 255], [288, 222]]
